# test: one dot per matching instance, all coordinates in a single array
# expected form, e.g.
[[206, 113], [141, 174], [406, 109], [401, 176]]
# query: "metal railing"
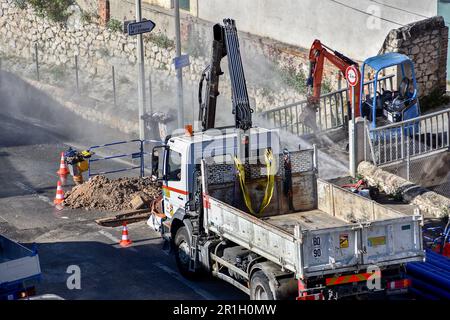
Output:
[[409, 139], [135, 152], [331, 114]]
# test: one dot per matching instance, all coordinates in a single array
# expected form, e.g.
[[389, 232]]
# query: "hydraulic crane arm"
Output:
[[207, 112], [225, 43], [317, 55]]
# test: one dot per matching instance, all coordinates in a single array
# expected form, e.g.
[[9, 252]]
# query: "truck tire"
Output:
[[182, 246], [260, 287]]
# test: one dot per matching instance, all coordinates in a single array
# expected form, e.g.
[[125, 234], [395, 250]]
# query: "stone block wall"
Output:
[[98, 48], [425, 42]]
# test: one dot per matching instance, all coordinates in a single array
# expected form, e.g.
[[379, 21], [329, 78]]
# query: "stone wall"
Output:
[[98, 48], [425, 42]]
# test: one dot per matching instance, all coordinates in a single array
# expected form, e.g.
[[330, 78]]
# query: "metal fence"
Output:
[[112, 83], [416, 150], [409, 139], [331, 114], [121, 156]]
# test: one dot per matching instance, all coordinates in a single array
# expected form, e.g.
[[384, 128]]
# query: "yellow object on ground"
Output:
[[270, 184], [83, 165]]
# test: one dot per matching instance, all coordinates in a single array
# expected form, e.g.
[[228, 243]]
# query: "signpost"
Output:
[[351, 74], [138, 28], [181, 61], [143, 26]]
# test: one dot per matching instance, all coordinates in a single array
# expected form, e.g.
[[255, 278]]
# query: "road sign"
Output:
[[181, 61], [140, 27], [351, 74]]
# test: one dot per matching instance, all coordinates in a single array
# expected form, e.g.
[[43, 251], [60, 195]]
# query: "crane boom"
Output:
[[225, 43]]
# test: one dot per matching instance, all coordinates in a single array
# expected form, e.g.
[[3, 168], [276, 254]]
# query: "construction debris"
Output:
[[137, 202], [101, 193], [131, 216]]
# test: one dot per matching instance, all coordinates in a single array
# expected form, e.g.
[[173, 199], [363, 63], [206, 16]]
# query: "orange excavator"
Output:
[[317, 55]]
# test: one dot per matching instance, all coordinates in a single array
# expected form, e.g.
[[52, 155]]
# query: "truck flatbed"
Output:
[[325, 230], [308, 220]]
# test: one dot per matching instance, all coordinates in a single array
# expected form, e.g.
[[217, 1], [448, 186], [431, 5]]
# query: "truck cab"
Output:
[[382, 107]]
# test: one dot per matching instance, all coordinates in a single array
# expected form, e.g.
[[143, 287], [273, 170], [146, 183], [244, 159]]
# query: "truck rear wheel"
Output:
[[260, 287], [182, 252]]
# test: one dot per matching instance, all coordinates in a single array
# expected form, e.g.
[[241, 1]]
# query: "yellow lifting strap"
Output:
[[269, 184]]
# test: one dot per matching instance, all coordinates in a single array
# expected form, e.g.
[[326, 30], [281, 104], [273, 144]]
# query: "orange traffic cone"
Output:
[[59, 198], [62, 166], [125, 242]]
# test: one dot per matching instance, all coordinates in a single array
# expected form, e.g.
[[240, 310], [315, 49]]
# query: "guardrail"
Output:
[[137, 153], [331, 113], [411, 138]]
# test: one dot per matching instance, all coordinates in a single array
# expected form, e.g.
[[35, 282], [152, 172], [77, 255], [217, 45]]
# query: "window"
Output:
[[174, 166], [185, 4]]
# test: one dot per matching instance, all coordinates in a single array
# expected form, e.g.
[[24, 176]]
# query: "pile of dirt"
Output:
[[101, 193]]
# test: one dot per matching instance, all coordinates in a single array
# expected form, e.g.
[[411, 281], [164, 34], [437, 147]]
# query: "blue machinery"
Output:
[[138, 154]]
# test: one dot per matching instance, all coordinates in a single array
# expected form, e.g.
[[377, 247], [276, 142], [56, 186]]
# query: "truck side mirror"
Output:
[[157, 165]]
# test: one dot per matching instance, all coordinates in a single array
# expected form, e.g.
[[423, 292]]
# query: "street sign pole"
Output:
[[353, 131], [179, 70], [141, 75], [351, 74]]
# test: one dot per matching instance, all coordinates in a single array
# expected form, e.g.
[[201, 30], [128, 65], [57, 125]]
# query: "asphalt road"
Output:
[[33, 131]]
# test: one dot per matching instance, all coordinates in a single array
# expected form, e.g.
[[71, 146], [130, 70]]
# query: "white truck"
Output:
[[309, 239], [317, 237]]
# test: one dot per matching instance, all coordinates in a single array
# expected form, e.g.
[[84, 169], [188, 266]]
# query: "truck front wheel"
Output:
[[260, 288], [182, 252]]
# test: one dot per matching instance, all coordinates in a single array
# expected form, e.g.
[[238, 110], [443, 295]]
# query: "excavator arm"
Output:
[[317, 55]]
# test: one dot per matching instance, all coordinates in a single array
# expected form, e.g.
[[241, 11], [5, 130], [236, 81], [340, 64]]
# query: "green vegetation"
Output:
[[295, 79], [21, 4], [55, 10], [326, 86], [268, 94], [124, 80], [433, 100], [57, 72], [162, 66], [114, 25], [88, 17], [397, 196], [161, 40]]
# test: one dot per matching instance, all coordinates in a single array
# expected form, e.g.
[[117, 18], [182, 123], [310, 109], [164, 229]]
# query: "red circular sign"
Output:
[[351, 74]]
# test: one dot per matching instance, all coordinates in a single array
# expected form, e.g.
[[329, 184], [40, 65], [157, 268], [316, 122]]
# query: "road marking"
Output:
[[187, 283], [109, 236], [114, 239], [33, 192]]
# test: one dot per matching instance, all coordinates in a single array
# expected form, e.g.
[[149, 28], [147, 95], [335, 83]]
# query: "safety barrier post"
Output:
[[89, 168], [37, 60], [142, 157]]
